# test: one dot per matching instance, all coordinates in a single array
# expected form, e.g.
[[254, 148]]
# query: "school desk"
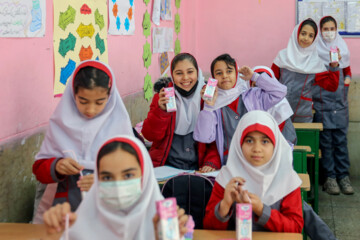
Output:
[[308, 135], [24, 231], [217, 235]]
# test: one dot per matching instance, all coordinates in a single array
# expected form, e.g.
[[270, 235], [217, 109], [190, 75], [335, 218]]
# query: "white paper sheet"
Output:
[[162, 40], [353, 17], [22, 18], [336, 10], [165, 172], [121, 17], [165, 12]]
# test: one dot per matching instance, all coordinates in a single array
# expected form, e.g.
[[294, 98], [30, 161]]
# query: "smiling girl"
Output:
[[299, 68], [90, 111], [171, 132]]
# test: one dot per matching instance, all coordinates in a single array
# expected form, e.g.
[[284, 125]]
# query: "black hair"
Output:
[[224, 57], [112, 147], [311, 23], [90, 78], [327, 19], [184, 56]]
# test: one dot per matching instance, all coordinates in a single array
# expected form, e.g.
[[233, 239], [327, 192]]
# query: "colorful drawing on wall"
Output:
[[164, 63], [165, 12], [162, 40], [22, 18], [177, 49], [177, 23], [148, 87], [177, 3], [147, 54], [122, 17], [146, 24], [80, 33]]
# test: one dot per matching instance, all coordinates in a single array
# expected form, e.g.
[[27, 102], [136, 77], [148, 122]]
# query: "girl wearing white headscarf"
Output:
[[89, 111], [171, 132], [299, 68], [332, 109], [233, 98], [121, 202], [260, 161]]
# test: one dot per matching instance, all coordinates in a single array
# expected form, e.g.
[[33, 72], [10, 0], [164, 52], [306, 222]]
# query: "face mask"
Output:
[[186, 93], [329, 36], [120, 195]]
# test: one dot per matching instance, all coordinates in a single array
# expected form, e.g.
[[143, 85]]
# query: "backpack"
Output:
[[192, 192]]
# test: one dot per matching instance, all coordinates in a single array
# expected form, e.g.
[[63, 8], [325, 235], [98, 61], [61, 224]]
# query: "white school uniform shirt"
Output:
[[323, 49], [270, 182], [95, 220], [298, 59]]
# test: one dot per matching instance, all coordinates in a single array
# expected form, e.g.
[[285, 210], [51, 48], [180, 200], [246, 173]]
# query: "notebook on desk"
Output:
[[165, 172]]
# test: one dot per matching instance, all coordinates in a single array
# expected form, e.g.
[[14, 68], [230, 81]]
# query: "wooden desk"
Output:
[[216, 235], [24, 231], [308, 135], [306, 148], [305, 185]]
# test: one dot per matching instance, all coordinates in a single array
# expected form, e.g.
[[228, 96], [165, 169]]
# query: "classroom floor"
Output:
[[342, 212]]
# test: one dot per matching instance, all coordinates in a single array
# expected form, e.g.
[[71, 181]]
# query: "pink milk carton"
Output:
[[168, 227], [243, 221], [171, 105], [210, 89], [334, 55]]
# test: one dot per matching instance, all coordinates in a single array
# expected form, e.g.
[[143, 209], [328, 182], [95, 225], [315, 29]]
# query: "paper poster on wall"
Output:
[[310, 10], [148, 87], [353, 17], [22, 18], [80, 33], [162, 40], [146, 24], [147, 54], [164, 63], [165, 12], [156, 12], [336, 10], [177, 49], [121, 17]]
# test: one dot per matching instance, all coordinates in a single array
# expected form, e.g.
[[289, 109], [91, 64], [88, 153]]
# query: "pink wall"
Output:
[[253, 31], [26, 67]]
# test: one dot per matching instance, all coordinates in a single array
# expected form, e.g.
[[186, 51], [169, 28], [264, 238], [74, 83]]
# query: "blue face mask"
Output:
[[120, 195]]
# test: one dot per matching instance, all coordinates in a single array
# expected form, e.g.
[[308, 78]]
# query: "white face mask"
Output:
[[329, 36], [120, 195]]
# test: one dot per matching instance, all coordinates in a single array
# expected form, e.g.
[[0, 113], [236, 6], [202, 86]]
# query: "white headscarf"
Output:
[[323, 49], [282, 110], [96, 221], [225, 97], [188, 108], [70, 130], [272, 181], [298, 59]]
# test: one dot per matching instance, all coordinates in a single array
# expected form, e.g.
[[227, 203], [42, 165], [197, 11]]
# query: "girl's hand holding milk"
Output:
[[212, 102], [254, 200], [85, 182], [68, 166], [162, 99], [231, 195]]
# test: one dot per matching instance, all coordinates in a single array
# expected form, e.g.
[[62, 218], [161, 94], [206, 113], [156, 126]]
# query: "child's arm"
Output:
[[54, 218], [267, 93], [288, 219], [211, 159], [328, 80], [347, 75], [157, 121]]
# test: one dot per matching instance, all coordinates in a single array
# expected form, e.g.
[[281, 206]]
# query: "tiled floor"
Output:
[[342, 212]]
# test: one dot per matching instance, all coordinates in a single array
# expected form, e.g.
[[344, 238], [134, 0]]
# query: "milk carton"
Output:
[[171, 105], [168, 226], [334, 55], [243, 221], [210, 89]]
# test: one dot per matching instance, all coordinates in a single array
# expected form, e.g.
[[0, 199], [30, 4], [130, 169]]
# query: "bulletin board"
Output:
[[346, 13]]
